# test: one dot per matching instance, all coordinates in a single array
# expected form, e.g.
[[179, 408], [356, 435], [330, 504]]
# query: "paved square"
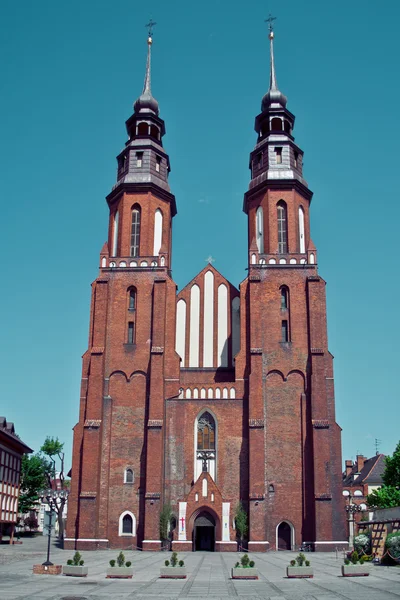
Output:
[[208, 577]]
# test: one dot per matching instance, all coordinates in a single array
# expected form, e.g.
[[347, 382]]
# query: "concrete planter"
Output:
[[300, 572], [355, 570], [119, 573], [75, 571], [173, 573], [244, 573]]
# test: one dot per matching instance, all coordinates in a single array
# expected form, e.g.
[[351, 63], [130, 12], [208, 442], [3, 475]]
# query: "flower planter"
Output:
[[173, 573], [244, 573], [120, 573], [299, 572], [355, 570], [75, 571]]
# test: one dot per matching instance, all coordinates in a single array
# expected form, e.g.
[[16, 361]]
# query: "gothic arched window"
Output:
[[260, 229], [282, 227], [284, 298], [206, 432], [301, 231], [128, 476], [132, 299], [135, 231]]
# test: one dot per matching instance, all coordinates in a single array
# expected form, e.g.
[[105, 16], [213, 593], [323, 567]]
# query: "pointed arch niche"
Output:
[[260, 230], [127, 524], [115, 234], [135, 231], [282, 227], [158, 223], [205, 439], [301, 231]]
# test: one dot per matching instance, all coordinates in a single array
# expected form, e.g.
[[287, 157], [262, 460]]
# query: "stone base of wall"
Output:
[[85, 544], [261, 546], [47, 570], [151, 545], [182, 546], [329, 546], [226, 546]]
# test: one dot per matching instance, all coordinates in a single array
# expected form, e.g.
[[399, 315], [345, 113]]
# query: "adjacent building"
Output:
[[221, 393]]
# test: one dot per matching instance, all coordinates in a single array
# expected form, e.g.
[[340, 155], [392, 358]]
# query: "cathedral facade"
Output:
[[218, 395]]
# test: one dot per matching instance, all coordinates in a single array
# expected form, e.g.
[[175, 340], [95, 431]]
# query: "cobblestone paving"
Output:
[[208, 577]]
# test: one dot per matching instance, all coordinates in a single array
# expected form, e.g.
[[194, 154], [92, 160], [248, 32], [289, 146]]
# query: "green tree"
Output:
[[33, 480], [385, 497], [391, 476], [165, 521], [241, 522], [52, 450]]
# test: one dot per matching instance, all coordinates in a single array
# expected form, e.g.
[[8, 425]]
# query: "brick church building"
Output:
[[217, 394]]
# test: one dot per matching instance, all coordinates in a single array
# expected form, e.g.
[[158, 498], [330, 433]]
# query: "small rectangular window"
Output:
[[296, 159], [131, 332], [139, 159], [158, 163], [278, 152], [285, 331], [259, 160]]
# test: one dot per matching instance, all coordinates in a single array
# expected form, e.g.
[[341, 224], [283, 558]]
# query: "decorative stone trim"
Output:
[[88, 494], [160, 279], [323, 497], [313, 278], [97, 350], [256, 423], [255, 350], [255, 277], [92, 423], [153, 495], [317, 350], [155, 423], [157, 350], [320, 423]]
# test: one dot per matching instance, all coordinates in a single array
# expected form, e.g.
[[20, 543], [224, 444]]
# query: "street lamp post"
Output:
[[351, 510], [50, 497]]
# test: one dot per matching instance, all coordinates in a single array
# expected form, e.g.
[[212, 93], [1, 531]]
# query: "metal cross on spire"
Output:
[[150, 26], [270, 22]]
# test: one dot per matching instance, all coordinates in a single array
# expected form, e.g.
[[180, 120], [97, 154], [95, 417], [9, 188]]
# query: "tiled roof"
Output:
[[371, 473], [7, 429]]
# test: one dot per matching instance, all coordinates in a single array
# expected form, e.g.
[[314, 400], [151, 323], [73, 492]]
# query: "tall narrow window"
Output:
[[278, 153], [158, 163], [260, 229], [206, 444], [282, 228], [128, 476], [285, 331], [132, 299], [135, 232], [115, 234], [131, 332], [139, 159], [301, 231], [296, 159], [127, 524], [284, 298], [158, 223]]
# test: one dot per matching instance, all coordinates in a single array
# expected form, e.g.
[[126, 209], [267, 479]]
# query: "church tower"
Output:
[[196, 403], [294, 441], [131, 336]]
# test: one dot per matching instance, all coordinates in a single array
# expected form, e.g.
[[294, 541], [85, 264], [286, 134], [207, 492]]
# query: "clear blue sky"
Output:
[[70, 73]]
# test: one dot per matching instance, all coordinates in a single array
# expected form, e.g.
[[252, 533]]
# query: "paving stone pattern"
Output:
[[208, 577]]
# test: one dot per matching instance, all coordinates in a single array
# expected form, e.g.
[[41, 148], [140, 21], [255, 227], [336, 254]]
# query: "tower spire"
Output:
[[146, 102], [273, 96]]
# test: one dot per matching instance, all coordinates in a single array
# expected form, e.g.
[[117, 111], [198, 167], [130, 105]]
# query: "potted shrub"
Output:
[[299, 568], [355, 566], [119, 569], [173, 568], [245, 569], [74, 566]]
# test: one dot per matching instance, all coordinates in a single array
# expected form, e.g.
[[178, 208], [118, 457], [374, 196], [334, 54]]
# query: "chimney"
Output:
[[349, 467], [360, 462]]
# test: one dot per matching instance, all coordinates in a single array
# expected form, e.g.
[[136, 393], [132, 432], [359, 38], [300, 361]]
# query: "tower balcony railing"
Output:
[[306, 258], [136, 262]]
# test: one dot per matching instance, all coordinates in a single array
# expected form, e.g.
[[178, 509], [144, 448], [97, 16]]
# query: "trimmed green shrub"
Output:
[[300, 559], [70, 562], [128, 563], [237, 565], [166, 563], [307, 563], [293, 563], [346, 561], [354, 557], [251, 564], [81, 563], [174, 559], [245, 560], [181, 563], [112, 563], [121, 559]]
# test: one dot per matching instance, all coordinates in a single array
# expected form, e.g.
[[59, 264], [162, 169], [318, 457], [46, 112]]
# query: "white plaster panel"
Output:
[[235, 326], [222, 357], [181, 330], [115, 234], [194, 326], [225, 521], [301, 231], [208, 333], [158, 219]]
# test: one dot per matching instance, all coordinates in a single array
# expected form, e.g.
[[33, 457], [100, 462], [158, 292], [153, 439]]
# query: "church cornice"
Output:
[[277, 184], [140, 188]]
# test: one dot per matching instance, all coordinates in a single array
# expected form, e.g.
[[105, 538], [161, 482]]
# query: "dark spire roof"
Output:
[[273, 98], [146, 103]]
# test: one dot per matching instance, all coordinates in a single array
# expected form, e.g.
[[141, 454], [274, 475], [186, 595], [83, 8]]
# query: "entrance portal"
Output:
[[284, 536], [204, 533]]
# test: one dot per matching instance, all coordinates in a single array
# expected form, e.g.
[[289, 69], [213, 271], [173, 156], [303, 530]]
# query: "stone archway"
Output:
[[204, 530], [284, 536]]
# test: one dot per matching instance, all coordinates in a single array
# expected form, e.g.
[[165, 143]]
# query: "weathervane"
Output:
[[270, 22], [150, 26], [210, 260]]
